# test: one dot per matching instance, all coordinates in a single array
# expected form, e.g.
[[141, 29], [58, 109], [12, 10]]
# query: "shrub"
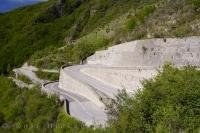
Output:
[[47, 75], [66, 123], [196, 4], [26, 110], [167, 103], [139, 17], [88, 45], [25, 79]]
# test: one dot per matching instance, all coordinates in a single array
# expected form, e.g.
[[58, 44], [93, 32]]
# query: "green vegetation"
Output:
[[139, 17], [66, 124], [45, 26], [52, 34], [167, 103], [152, 19], [47, 75], [24, 78], [70, 54], [22, 110], [30, 110]]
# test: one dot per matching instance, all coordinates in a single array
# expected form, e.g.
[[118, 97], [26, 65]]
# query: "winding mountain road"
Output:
[[75, 72], [88, 87], [79, 107], [29, 71]]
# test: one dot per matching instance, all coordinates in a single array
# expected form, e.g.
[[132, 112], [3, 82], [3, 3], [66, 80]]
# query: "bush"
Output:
[[196, 4], [167, 103], [24, 110], [88, 45], [47, 75], [139, 17], [24, 79], [67, 124]]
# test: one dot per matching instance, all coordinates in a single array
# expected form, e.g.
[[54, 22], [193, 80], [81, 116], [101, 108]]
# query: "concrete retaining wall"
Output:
[[128, 79], [139, 54], [70, 84], [150, 52]]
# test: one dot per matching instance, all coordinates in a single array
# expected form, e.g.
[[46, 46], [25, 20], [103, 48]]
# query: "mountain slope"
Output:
[[151, 20], [36, 32], [51, 24]]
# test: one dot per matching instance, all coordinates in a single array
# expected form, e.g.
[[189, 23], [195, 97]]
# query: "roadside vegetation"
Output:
[[47, 75], [23, 110], [167, 103], [24, 78]]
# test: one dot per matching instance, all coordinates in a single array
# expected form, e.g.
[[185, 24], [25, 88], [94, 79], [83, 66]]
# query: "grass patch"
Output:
[[24, 78], [139, 17], [47, 75]]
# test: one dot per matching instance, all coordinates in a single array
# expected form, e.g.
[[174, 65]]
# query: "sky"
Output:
[[8, 5]]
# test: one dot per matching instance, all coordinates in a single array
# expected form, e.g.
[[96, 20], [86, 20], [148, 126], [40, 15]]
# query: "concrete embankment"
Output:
[[69, 83], [150, 52], [124, 66], [78, 106]]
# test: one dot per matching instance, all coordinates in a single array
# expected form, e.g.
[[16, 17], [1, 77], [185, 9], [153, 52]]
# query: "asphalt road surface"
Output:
[[79, 106]]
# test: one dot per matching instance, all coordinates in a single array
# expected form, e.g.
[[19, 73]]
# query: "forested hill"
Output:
[[35, 32]]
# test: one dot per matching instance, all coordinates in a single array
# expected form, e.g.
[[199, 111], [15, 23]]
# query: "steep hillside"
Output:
[[36, 32], [51, 24], [152, 19], [20, 36], [20, 113]]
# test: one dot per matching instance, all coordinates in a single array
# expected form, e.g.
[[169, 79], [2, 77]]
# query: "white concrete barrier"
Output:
[[120, 78], [140, 54], [150, 52], [68, 83]]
